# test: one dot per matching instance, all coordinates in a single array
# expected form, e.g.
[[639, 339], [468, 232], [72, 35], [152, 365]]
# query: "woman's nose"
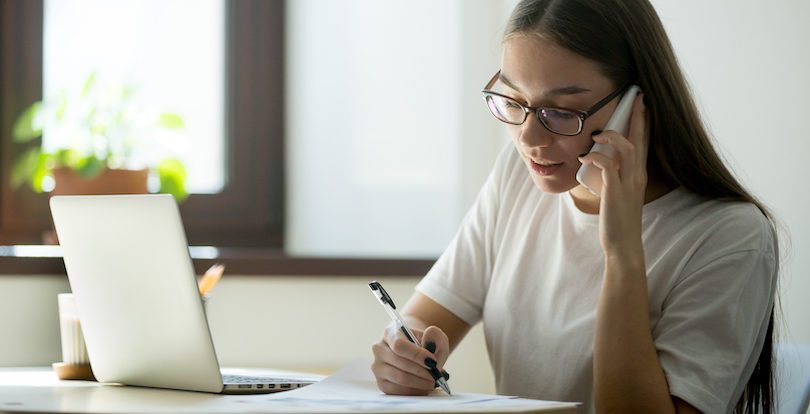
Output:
[[534, 134]]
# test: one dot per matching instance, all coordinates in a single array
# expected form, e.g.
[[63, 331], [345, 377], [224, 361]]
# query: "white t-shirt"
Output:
[[530, 266]]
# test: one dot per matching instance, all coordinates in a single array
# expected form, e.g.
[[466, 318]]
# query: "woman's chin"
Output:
[[553, 185]]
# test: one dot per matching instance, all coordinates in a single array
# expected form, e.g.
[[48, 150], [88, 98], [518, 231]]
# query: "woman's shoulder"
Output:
[[734, 225], [698, 208], [741, 214]]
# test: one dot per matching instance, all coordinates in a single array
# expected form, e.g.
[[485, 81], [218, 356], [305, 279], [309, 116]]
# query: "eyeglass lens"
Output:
[[507, 110]]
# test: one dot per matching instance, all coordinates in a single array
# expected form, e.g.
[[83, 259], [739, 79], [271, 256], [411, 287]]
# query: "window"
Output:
[[249, 209], [175, 66]]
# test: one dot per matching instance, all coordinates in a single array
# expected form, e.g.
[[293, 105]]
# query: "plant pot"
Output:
[[110, 181]]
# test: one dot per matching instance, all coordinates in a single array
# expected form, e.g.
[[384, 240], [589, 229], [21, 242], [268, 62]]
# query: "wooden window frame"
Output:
[[249, 212]]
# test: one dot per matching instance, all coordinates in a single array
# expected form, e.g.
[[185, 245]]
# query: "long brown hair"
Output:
[[628, 41]]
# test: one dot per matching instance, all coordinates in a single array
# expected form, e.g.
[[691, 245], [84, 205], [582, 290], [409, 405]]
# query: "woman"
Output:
[[656, 297]]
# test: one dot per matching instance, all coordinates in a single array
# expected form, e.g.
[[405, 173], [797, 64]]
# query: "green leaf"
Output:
[[98, 128], [41, 171], [27, 126], [88, 119], [170, 121], [90, 167], [68, 158], [88, 84], [32, 167], [127, 92], [25, 167], [61, 108], [172, 178]]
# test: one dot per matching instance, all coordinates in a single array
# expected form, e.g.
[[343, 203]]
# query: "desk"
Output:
[[37, 389]]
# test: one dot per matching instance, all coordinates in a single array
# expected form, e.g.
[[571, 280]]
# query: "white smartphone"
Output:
[[590, 176]]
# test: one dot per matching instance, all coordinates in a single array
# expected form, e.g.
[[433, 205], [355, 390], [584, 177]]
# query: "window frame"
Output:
[[249, 212]]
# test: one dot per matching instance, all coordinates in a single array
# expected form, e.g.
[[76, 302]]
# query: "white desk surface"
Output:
[[37, 389]]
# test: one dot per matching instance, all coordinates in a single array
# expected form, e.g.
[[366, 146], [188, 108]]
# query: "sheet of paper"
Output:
[[353, 388]]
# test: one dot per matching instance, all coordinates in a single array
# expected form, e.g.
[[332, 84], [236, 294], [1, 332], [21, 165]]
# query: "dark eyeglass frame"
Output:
[[581, 115]]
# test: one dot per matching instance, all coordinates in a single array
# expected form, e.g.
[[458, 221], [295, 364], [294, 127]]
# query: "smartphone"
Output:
[[590, 176]]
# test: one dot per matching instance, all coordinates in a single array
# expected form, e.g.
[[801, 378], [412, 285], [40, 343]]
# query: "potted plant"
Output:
[[100, 141]]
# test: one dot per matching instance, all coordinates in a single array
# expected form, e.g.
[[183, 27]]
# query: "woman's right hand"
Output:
[[401, 367]]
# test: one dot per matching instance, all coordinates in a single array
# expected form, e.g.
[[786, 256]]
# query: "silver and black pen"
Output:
[[391, 308]]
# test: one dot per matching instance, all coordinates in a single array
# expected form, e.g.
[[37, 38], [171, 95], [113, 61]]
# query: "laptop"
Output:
[[142, 316]]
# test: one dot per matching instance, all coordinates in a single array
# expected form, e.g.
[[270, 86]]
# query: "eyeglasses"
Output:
[[560, 121]]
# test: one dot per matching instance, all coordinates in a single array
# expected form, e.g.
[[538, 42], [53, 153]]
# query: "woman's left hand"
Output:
[[625, 180]]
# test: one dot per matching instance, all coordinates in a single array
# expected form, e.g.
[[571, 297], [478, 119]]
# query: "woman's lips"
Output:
[[545, 169]]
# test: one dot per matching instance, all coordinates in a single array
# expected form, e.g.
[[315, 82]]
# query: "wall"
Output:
[[29, 322], [387, 148], [747, 62], [314, 324]]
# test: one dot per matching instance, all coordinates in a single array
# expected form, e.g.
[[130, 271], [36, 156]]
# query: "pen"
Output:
[[388, 304], [210, 278]]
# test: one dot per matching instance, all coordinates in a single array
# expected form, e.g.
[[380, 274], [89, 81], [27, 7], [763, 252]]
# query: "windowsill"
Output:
[[47, 260]]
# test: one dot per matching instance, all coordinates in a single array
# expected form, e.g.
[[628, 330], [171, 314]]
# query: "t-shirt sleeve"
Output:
[[460, 277], [714, 319]]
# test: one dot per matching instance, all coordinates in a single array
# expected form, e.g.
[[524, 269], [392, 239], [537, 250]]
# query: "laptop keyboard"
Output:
[[244, 379]]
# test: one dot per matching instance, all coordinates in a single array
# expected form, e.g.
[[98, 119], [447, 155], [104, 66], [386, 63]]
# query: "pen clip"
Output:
[[383, 295]]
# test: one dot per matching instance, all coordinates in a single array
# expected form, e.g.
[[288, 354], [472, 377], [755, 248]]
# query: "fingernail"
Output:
[[431, 346], [446, 375], [597, 132], [582, 155], [430, 362]]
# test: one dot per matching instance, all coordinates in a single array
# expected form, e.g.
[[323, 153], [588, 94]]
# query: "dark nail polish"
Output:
[[582, 155], [446, 375], [431, 346], [430, 362], [597, 132]]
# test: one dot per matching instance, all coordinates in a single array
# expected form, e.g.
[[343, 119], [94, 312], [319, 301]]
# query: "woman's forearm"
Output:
[[628, 377], [414, 322]]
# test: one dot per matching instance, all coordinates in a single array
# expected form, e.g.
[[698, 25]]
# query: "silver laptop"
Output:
[[142, 316]]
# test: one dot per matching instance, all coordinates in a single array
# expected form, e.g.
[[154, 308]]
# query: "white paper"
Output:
[[353, 388]]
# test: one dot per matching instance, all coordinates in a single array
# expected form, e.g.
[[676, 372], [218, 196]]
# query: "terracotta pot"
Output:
[[110, 181]]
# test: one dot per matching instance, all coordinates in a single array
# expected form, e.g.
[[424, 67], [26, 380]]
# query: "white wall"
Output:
[[29, 319], [388, 138], [748, 63], [319, 324], [314, 324]]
